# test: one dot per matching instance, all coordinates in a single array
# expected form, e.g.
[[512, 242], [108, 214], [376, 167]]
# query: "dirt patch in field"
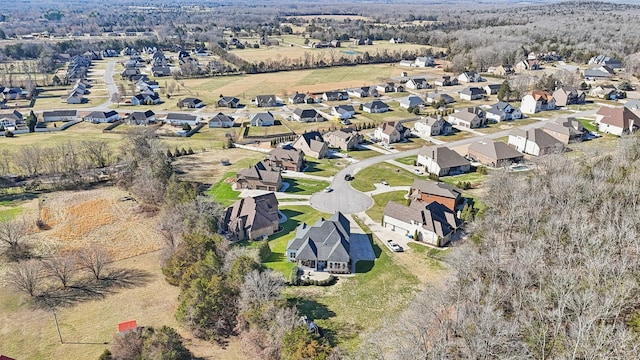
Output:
[[206, 167], [105, 216]]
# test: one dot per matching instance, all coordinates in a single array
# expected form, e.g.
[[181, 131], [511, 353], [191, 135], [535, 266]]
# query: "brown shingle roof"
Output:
[[495, 150], [618, 116]]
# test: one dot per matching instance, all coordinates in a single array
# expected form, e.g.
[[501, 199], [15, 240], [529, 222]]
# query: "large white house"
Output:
[[534, 142], [442, 161], [537, 101]]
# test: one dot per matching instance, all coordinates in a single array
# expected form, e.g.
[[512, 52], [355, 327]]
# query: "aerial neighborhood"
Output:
[[279, 183]]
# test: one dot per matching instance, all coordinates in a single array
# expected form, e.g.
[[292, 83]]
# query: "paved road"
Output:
[[348, 200]]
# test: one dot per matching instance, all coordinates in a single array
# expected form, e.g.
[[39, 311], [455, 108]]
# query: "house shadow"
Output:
[[294, 187], [311, 308], [311, 166], [89, 289], [288, 225]]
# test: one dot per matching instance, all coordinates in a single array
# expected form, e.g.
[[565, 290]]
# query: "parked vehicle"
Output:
[[348, 177], [328, 189], [418, 171], [394, 247]]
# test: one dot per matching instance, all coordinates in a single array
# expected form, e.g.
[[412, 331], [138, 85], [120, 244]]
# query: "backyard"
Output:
[[380, 202], [394, 175]]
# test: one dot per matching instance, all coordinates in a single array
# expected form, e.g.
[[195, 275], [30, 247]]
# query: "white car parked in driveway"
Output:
[[418, 171], [394, 246]]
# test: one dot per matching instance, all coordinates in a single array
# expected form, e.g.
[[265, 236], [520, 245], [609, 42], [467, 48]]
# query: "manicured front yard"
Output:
[[222, 191], [301, 186], [324, 167], [380, 202], [409, 160], [474, 178], [363, 154], [588, 124], [394, 175]]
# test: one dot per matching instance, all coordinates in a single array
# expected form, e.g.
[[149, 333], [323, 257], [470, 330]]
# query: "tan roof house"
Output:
[[617, 120], [429, 191], [442, 161], [432, 223], [285, 159], [494, 153], [312, 144], [567, 130], [253, 217], [344, 139], [391, 132], [258, 177]]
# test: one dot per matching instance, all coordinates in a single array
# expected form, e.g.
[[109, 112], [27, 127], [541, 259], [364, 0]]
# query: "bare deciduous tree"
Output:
[[14, 236], [94, 259], [26, 276], [61, 267]]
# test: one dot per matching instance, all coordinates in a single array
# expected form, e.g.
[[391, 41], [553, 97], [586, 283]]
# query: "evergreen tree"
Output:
[[505, 91]]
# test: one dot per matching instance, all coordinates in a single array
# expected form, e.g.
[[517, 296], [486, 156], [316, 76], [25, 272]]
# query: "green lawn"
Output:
[[433, 257], [380, 202], [363, 154], [588, 124], [459, 135], [343, 73], [324, 167], [305, 186], [9, 213], [409, 160], [361, 303], [296, 215], [474, 178], [222, 191], [394, 175]]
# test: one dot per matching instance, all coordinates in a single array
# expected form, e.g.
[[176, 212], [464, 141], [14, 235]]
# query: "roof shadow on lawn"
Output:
[[364, 266]]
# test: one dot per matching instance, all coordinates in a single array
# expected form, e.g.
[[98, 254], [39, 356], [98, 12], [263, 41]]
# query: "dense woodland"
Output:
[[475, 36]]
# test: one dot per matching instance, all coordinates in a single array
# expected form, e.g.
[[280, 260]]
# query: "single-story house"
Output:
[[606, 60], [391, 132], [158, 71], [181, 119], [358, 92], [494, 153], [534, 142], [606, 92], [191, 103], [285, 158], [262, 119], [442, 161], [375, 106], [299, 98], [433, 223], [466, 119], [143, 99], [600, 72], [503, 111], [267, 101], [228, 101], [344, 139], [323, 246], [335, 96], [312, 144], [432, 126], [528, 64], [567, 130], [492, 89], [102, 117], [253, 217], [417, 84], [472, 93], [504, 70], [469, 77], [437, 97], [75, 98], [428, 191], [445, 80], [141, 118], [258, 177], [617, 120], [410, 101], [59, 115], [221, 121], [10, 118], [307, 115], [343, 112]]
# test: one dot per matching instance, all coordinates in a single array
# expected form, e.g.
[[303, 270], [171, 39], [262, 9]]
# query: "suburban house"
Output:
[[258, 177], [191, 103], [528, 64], [429, 191], [102, 117], [396, 40], [285, 158], [568, 95], [633, 105], [494, 153], [466, 119], [228, 101], [537, 101], [437, 97], [469, 77], [617, 120], [606, 60], [410, 101], [359, 92], [504, 70], [375, 106], [446, 81], [59, 115], [472, 93], [335, 96], [75, 98], [307, 115], [299, 98], [433, 223], [417, 84], [267, 100], [221, 121], [492, 89], [10, 118], [534, 142], [567, 130], [503, 111], [262, 119], [312, 144], [324, 246], [432, 126], [424, 61], [391, 132], [344, 139], [598, 72], [389, 88], [442, 161], [181, 119], [141, 118], [253, 217], [343, 112], [158, 71], [606, 92], [361, 41]]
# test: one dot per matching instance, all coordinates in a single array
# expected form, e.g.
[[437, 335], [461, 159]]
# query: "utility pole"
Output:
[[55, 318]]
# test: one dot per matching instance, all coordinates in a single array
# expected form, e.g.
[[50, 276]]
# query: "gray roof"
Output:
[[265, 116], [260, 172], [632, 104], [139, 115], [181, 116], [376, 104], [472, 91], [265, 99], [596, 73], [305, 113], [436, 188], [431, 120], [538, 136], [569, 126], [440, 96], [434, 217], [444, 157], [60, 113], [464, 116], [220, 117], [326, 240], [411, 100], [495, 150], [102, 114]]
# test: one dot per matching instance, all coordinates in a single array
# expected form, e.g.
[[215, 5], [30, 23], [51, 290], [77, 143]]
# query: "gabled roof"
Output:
[[543, 96], [260, 172], [13, 115], [265, 99], [103, 114], [263, 116], [376, 104], [619, 116], [192, 101], [228, 100], [444, 157], [472, 91], [411, 100], [253, 213], [285, 154], [60, 113], [633, 104], [305, 113], [567, 126], [326, 240], [181, 116], [221, 118], [537, 136], [314, 140], [465, 116], [431, 120], [495, 150], [434, 217], [139, 115], [436, 188]]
